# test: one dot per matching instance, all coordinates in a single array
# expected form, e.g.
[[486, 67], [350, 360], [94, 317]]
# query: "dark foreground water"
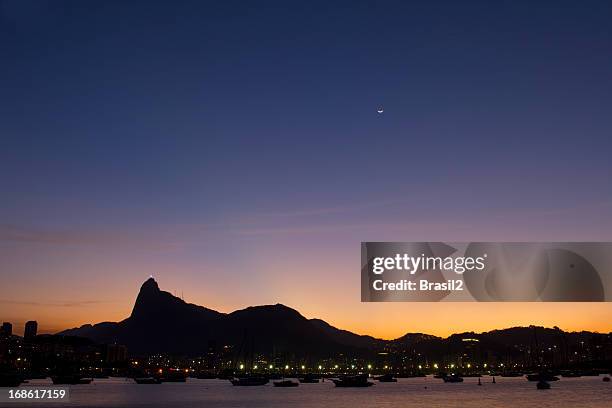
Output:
[[412, 392]]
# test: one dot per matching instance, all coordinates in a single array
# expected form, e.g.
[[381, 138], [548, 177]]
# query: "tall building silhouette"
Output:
[[31, 328], [116, 353], [7, 329]]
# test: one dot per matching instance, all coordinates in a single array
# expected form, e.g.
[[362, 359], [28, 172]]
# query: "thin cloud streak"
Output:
[[90, 237], [320, 228], [77, 303], [331, 210], [179, 236]]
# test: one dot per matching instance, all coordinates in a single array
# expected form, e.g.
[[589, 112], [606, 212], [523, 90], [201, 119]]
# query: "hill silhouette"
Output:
[[161, 322]]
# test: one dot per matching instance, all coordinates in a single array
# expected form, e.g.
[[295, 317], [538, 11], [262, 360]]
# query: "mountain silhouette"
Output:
[[161, 322]]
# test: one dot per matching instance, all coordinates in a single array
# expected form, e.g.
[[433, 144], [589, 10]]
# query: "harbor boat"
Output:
[[386, 378], [511, 374], [249, 381], [353, 381], [147, 380], [543, 376], [542, 385], [36, 376], [225, 376], [69, 380], [309, 379], [10, 380], [286, 383], [441, 374], [175, 376], [453, 378], [206, 376]]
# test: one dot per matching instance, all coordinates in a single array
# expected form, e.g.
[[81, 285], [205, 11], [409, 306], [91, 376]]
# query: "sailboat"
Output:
[[286, 383], [386, 378], [147, 380], [309, 379], [248, 380], [353, 381], [452, 378], [10, 380]]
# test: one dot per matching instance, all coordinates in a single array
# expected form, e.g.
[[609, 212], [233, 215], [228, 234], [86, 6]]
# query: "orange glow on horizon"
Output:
[[100, 299], [386, 321]]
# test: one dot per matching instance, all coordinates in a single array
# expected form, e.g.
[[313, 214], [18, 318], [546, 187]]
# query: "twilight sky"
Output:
[[233, 150]]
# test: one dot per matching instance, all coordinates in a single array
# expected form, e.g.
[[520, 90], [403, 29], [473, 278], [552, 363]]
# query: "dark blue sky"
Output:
[[227, 126]]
